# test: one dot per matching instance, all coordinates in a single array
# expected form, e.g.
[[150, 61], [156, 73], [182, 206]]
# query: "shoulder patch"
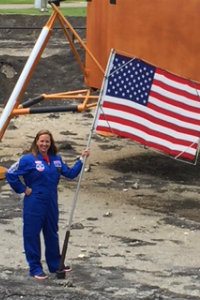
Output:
[[13, 168]]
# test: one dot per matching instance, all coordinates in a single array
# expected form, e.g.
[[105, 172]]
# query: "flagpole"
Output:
[[60, 272]]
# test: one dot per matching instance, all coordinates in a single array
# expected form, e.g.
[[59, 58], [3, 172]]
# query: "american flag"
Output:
[[151, 106]]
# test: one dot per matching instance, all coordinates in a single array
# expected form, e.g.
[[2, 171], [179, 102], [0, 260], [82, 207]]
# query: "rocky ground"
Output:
[[136, 227]]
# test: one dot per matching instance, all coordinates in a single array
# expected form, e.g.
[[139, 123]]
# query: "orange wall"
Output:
[[162, 32]]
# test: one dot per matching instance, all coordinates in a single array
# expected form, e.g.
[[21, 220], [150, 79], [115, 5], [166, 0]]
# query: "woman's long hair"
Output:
[[34, 148]]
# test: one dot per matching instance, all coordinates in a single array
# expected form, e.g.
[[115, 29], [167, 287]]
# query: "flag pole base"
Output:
[[2, 172], [60, 274]]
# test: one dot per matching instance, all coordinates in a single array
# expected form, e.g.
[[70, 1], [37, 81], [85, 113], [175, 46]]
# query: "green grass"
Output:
[[17, 2], [70, 12], [31, 1]]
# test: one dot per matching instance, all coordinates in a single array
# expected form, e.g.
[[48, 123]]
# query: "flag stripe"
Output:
[[147, 137], [171, 111], [174, 99], [157, 132], [182, 83], [157, 91], [152, 115], [150, 144], [176, 92]]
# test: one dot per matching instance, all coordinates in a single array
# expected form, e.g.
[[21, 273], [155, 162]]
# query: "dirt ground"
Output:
[[136, 227]]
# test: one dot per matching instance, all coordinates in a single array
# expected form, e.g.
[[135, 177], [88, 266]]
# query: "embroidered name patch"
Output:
[[57, 163]]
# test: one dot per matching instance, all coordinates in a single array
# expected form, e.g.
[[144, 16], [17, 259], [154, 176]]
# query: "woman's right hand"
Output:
[[28, 191]]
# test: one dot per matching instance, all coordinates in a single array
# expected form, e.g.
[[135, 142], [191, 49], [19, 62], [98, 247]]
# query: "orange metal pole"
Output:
[[61, 16], [20, 111], [82, 106], [64, 97], [72, 45]]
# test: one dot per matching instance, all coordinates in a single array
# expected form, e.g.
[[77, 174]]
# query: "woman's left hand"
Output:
[[85, 152]]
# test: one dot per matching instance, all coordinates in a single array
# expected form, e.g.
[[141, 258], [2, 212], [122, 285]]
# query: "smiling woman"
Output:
[[43, 143], [41, 169]]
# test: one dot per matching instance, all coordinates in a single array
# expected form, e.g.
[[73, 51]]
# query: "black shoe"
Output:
[[41, 276]]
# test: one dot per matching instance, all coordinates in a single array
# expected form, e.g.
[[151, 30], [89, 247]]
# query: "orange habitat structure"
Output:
[[165, 33]]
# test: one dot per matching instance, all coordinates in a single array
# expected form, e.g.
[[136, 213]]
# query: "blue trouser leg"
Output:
[[50, 231], [32, 246]]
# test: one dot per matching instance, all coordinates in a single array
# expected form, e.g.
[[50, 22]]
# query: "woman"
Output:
[[41, 169]]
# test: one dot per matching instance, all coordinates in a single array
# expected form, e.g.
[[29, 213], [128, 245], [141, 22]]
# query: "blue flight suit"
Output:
[[40, 208]]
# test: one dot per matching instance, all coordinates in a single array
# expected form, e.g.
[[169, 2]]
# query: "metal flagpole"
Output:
[[61, 272]]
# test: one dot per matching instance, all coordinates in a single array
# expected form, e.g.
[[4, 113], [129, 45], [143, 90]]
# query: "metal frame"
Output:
[[13, 106]]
